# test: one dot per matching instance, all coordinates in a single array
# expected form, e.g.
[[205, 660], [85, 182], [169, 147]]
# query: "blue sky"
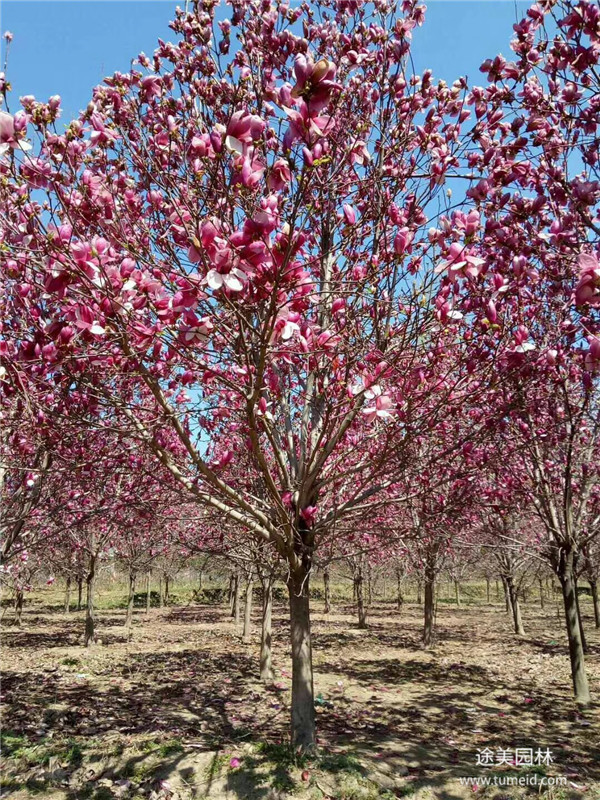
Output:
[[67, 47]]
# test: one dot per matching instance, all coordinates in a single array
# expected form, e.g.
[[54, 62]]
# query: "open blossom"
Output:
[[460, 262], [588, 286], [232, 280], [85, 321], [242, 130], [9, 128], [286, 325], [305, 125], [314, 81], [382, 409]]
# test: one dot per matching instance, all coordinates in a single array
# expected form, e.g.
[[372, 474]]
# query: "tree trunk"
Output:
[[303, 703], [487, 590], [236, 602], [68, 595], [369, 586], [130, 599], [429, 608], [327, 588], [231, 599], [200, 577], [576, 654], [516, 608], [90, 626], [400, 597], [580, 618], [19, 608], [497, 590], [541, 582], [247, 633], [419, 597], [594, 589], [161, 599], [457, 593], [167, 595], [360, 603], [79, 592], [148, 593], [266, 667], [507, 600]]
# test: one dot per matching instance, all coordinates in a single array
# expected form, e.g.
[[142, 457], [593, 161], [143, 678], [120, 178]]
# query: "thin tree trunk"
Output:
[[497, 590], [594, 589], [232, 582], [130, 599], [68, 595], [161, 599], [400, 597], [327, 588], [429, 608], [303, 703], [167, 595], [487, 590], [580, 618], [90, 625], [419, 596], [576, 654], [507, 600], [516, 608], [19, 608], [79, 592], [148, 593], [266, 667], [236, 602], [360, 603], [247, 633], [541, 582], [457, 593]]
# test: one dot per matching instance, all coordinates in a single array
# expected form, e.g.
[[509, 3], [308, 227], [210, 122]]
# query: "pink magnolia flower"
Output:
[[286, 325], [234, 763], [232, 280], [280, 175], [349, 214], [242, 130], [460, 262], [86, 321], [249, 171], [304, 124], [9, 128], [314, 81], [587, 290], [592, 356], [359, 154], [309, 515], [383, 405]]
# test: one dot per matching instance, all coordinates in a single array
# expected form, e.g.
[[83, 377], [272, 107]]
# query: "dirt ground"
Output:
[[179, 713]]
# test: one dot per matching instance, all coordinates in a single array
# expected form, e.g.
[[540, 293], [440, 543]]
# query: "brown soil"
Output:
[[164, 715]]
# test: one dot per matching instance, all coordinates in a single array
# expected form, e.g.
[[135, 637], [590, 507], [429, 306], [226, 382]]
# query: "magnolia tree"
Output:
[[227, 258], [227, 253], [536, 189]]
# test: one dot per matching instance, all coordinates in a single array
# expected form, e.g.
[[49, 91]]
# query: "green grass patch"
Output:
[[168, 748]]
